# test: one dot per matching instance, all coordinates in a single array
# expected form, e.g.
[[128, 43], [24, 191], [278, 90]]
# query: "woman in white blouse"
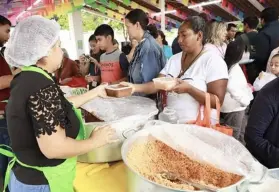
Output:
[[216, 33], [238, 94], [198, 71]]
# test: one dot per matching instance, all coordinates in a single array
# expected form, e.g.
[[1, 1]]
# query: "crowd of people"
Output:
[[207, 56]]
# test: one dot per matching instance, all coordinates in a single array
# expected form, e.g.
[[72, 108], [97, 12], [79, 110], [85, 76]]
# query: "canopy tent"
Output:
[[175, 10], [165, 14]]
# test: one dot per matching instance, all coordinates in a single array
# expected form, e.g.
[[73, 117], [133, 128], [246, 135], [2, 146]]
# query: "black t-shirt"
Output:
[[35, 107]]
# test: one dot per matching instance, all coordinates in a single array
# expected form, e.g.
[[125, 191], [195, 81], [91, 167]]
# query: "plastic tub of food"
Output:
[[164, 83], [118, 91]]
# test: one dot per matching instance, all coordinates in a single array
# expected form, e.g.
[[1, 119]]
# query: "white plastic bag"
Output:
[[263, 79], [211, 147], [112, 109]]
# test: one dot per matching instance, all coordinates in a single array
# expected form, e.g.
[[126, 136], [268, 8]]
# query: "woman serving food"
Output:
[[197, 71], [45, 128]]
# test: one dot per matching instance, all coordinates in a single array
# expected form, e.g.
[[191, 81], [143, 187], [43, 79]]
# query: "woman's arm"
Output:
[[59, 146], [239, 94], [217, 88], [79, 100], [147, 88], [48, 121]]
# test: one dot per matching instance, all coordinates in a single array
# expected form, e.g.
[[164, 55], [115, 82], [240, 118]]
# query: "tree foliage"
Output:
[[90, 22]]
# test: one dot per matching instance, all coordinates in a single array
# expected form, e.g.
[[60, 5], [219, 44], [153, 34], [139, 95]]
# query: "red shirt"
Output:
[[4, 93], [69, 69]]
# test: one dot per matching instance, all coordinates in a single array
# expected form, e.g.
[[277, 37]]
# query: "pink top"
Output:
[[220, 50]]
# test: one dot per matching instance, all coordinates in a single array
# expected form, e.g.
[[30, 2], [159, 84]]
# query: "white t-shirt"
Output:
[[220, 50], [208, 67], [238, 94]]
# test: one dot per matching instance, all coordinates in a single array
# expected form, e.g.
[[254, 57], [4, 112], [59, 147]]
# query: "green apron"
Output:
[[60, 178]]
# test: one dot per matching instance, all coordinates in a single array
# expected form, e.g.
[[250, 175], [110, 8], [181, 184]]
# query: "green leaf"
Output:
[[102, 9], [94, 5], [89, 1], [89, 21], [104, 2], [112, 5], [127, 2]]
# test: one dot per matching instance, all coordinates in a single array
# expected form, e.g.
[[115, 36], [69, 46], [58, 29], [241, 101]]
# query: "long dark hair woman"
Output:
[[197, 71], [238, 94], [148, 58], [161, 39]]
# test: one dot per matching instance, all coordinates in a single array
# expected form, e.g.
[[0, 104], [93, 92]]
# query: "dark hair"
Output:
[[238, 34], [92, 38], [197, 24], [115, 42], [4, 21], [234, 53], [269, 14], [138, 15], [231, 25], [161, 33], [104, 30], [252, 22], [204, 16], [152, 30]]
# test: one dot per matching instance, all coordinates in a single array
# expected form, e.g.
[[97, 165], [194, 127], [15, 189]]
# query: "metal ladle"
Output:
[[175, 178]]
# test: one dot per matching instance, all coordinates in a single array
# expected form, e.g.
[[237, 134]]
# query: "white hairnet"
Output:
[[31, 40]]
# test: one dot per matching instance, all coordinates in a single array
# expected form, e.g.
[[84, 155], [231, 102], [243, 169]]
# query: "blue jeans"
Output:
[[4, 139], [17, 186]]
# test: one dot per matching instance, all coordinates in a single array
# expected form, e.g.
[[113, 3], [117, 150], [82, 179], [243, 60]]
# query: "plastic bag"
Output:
[[123, 128], [209, 146], [112, 109], [69, 91], [263, 79]]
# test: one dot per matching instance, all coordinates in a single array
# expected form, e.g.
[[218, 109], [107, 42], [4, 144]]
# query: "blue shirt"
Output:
[[147, 62], [167, 51]]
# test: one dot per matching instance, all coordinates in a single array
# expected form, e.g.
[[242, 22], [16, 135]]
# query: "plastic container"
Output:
[[118, 91], [168, 115], [164, 83]]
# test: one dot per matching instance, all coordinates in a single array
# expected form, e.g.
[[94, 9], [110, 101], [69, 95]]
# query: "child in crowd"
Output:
[[94, 76], [113, 63], [238, 93], [266, 77]]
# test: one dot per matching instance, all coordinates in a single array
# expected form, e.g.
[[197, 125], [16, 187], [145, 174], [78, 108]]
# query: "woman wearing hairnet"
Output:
[[46, 130]]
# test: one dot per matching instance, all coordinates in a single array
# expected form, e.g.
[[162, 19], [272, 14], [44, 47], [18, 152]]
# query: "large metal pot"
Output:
[[107, 153], [137, 183], [110, 152]]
